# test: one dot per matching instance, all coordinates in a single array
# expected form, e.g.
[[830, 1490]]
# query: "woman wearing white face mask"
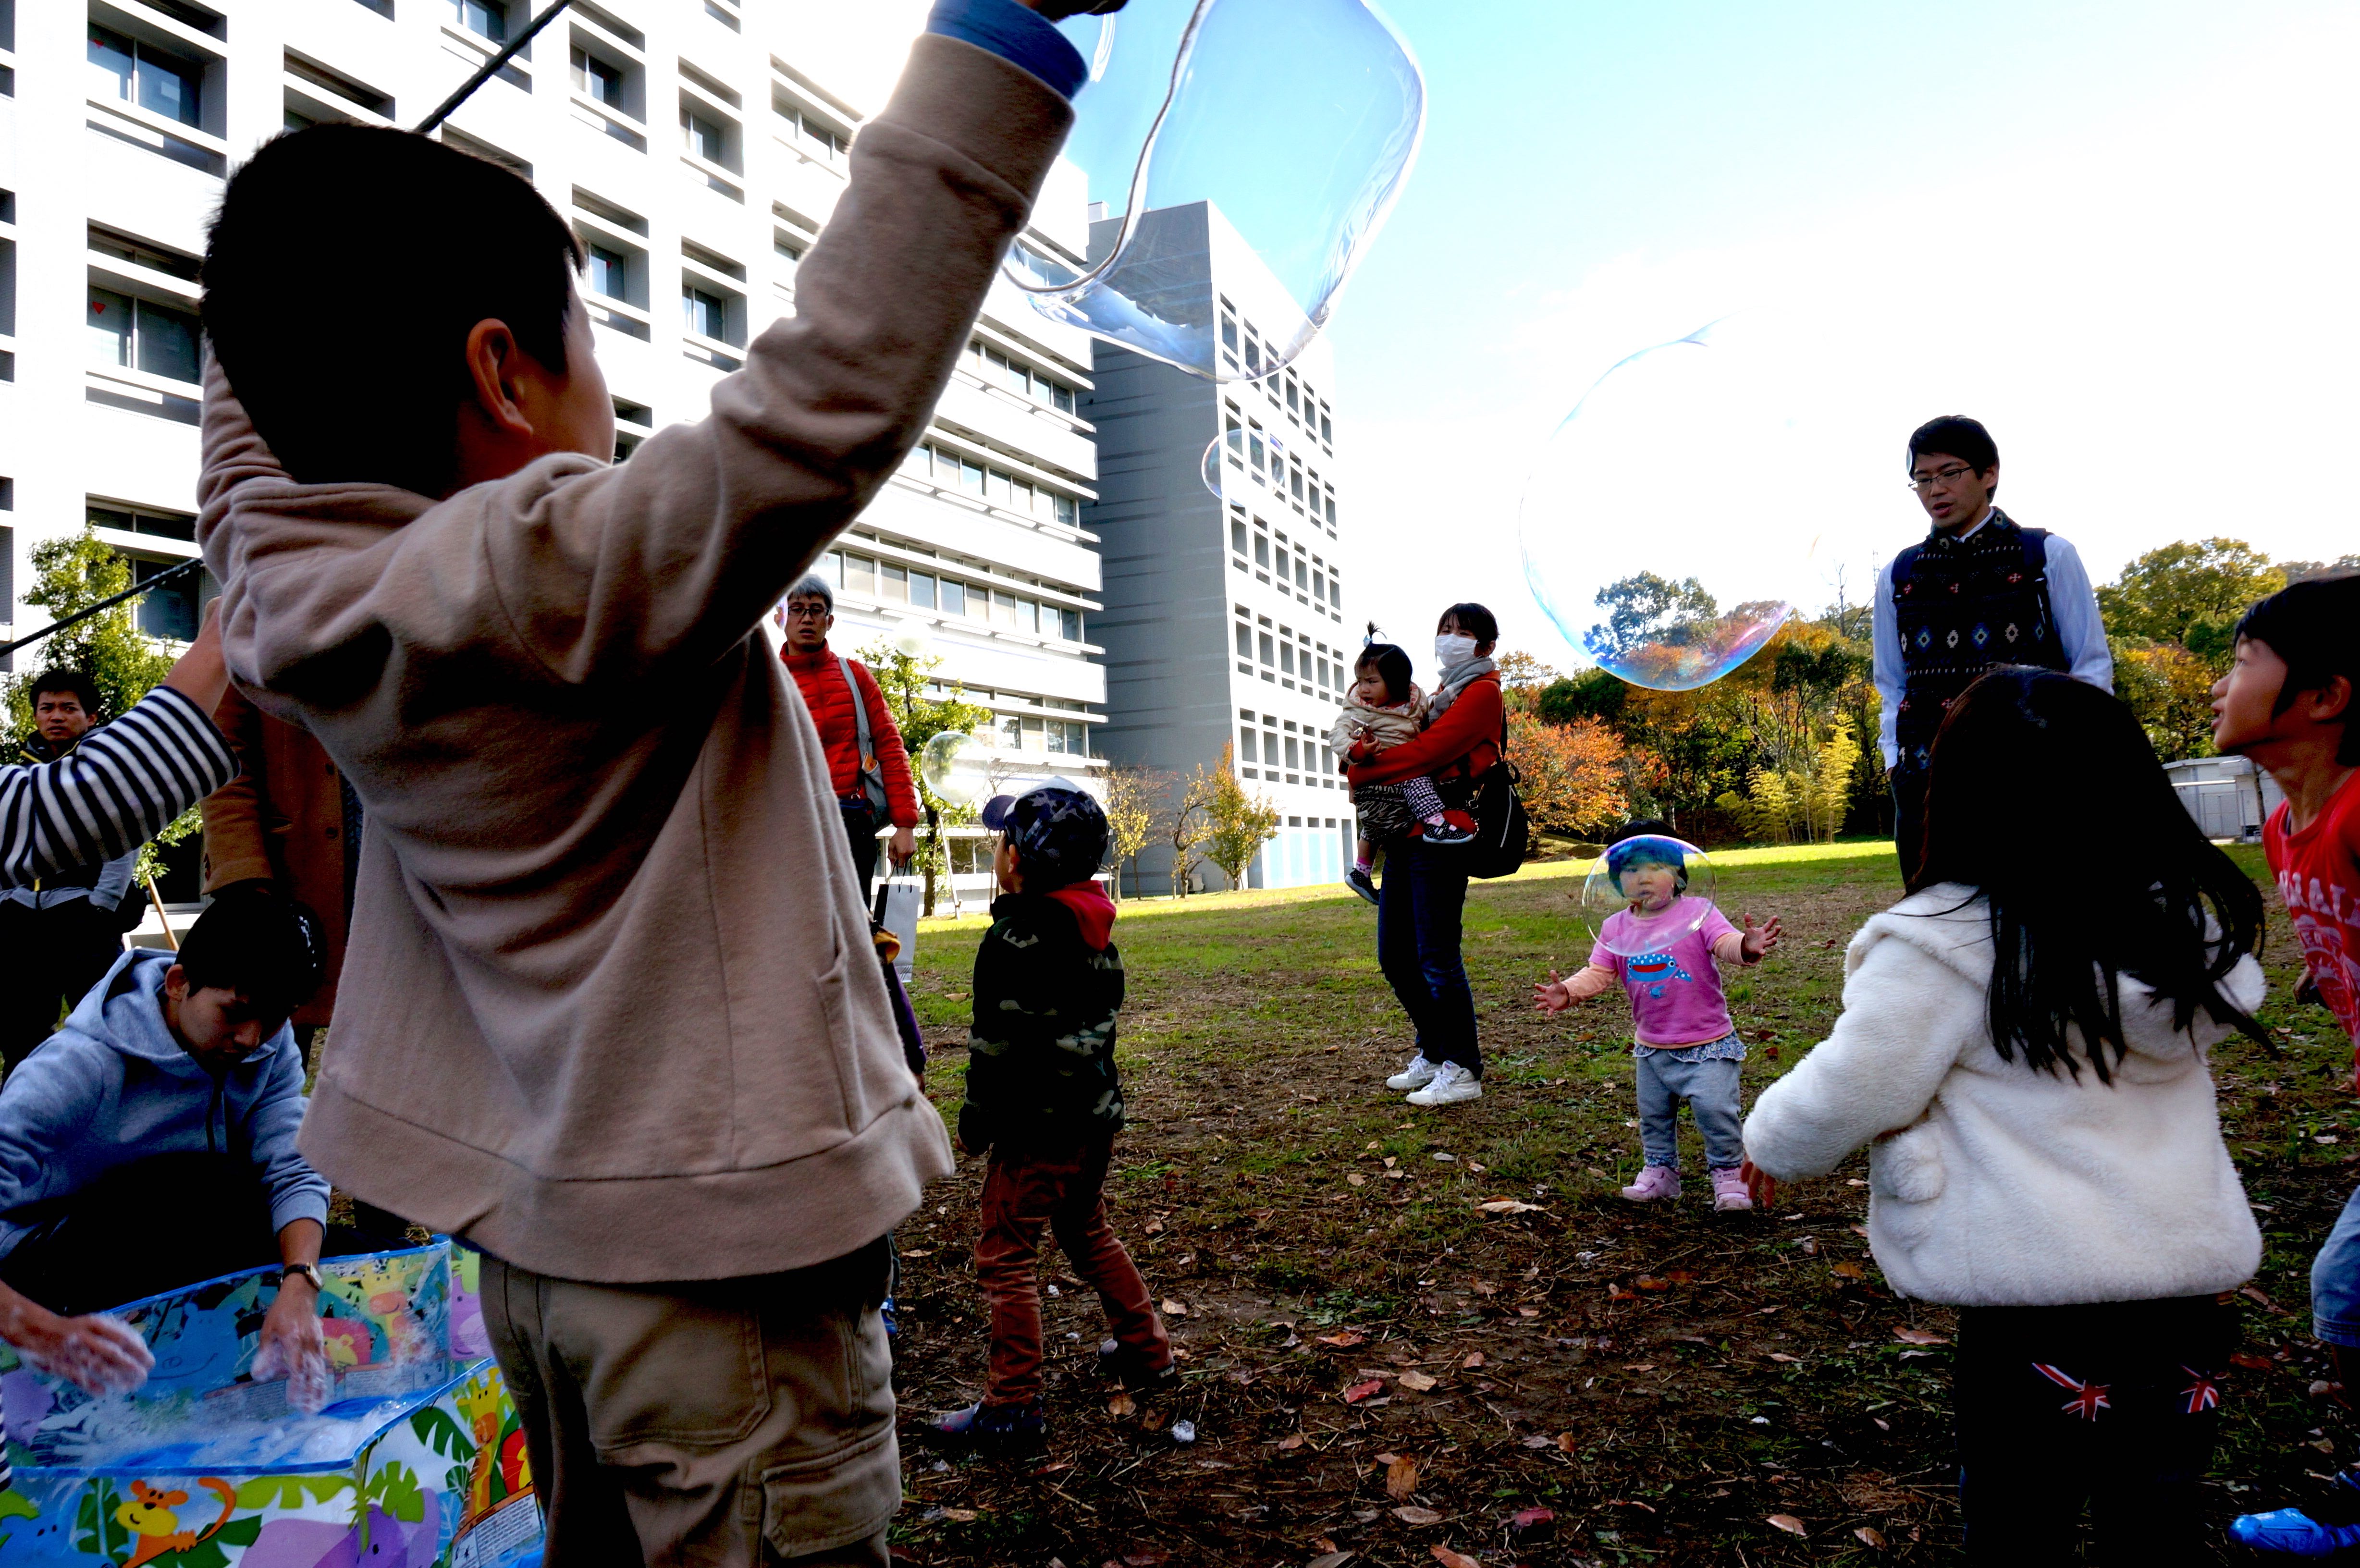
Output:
[[1425, 888]]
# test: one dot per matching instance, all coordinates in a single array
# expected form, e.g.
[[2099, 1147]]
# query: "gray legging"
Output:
[[1710, 1089]]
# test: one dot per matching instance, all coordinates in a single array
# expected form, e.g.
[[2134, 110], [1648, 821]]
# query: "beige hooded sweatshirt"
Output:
[[610, 1010]]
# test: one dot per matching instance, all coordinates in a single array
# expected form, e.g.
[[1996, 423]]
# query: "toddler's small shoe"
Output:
[[995, 1426], [1358, 880], [1417, 1075], [1451, 1085], [1454, 828], [1728, 1193], [1656, 1183], [1132, 1368]]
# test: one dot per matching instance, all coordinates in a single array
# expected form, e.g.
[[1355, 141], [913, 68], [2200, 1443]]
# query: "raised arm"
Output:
[[121, 787]]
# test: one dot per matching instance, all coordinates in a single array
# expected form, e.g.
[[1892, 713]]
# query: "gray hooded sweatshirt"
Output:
[[114, 1085]]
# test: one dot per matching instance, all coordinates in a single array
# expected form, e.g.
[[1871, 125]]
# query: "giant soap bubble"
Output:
[[939, 765], [1644, 894], [1247, 146], [1672, 521], [1248, 465]]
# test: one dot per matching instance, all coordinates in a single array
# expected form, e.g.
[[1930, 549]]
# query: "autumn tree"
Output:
[[1237, 823], [2169, 691], [1131, 794], [2188, 592], [1570, 776], [1183, 822]]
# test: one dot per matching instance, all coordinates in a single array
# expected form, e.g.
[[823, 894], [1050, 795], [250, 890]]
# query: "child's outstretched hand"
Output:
[[1551, 996], [1760, 939]]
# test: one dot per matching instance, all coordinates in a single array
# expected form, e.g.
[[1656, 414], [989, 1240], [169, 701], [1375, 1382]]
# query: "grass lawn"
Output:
[[1662, 1381]]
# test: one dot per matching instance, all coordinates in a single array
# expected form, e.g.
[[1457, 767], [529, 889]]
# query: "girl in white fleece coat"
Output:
[[2045, 1150]]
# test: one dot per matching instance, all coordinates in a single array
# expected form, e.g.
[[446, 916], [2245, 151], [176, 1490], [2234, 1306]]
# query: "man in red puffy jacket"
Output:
[[873, 788]]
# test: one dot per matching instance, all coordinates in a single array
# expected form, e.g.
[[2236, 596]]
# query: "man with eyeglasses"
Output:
[[867, 763], [1979, 590]]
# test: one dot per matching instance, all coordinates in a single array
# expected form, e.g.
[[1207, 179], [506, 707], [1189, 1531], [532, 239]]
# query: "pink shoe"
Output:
[[1655, 1182], [1729, 1192]]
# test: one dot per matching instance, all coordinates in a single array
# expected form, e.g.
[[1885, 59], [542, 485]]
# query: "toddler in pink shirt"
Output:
[[1664, 950]]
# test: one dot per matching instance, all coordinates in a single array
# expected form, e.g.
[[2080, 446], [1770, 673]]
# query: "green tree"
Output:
[[1645, 608], [70, 575], [1237, 823], [2188, 593], [923, 708], [2304, 570], [1131, 797], [2169, 691]]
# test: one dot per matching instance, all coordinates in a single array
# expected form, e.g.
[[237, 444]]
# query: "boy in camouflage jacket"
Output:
[[1043, 1098]]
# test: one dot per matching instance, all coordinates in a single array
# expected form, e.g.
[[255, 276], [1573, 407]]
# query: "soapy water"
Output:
[[1248, 465], [939, 765], [1643, 895], [1252, 147], [1672, 522]]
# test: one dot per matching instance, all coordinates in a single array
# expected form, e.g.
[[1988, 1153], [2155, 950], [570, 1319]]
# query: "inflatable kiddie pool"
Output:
[[417, 1462]]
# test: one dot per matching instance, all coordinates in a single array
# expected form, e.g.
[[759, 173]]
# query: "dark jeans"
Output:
[[1908, 817], [2112, 1408], [860, 826], [1418, 907], [53, 957], [1023, 1194], [145, 1228]]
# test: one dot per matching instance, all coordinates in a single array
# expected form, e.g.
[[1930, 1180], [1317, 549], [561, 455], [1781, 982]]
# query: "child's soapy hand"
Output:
[[1760, 939], [1551, 996]]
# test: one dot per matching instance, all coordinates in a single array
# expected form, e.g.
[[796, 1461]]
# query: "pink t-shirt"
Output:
[[1675, 985]]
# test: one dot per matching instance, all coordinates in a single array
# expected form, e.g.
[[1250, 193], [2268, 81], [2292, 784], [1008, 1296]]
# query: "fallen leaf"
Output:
[[1388, 1458], [1627, 1503], [1401, 1479], [1525, 1521], [1150, 1419], [1809, 1246], [1396, 1175], [1154, 1227], [1861, 1231], [1324, 1544], [1649, 1282], [1485, 1288], [1508, 1206], [1782, 1356], [1881, 1424], [1357, 1180], [1474, 1358], [2249, 1361], [1415, 1515], [1359, 1391], [1391, 1161], [1869, 1535], [1568, 1443], [1344, 1339], [2323, 1445], [1536, 1440], [1477, 1167], [1917, 1336], [960, 1516], [2251, 1291], [1330, 1559], [1528, 1311], [1788, 1523], [1174, 1308], [1679, 1275], [1617, 1293], [1121, 1405], [1640, 1367], [1417, 1382], [1450, 1558], [1848, 1270]]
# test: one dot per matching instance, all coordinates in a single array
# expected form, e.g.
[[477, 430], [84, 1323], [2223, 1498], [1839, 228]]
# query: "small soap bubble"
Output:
[[939, 765], [912, 642], [1248, 465], [1184, 1432], [1642, 895], [1672, 523], [1264, 141]]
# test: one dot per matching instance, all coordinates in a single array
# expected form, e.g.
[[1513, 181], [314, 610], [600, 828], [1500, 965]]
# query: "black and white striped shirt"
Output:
[[114, 791]]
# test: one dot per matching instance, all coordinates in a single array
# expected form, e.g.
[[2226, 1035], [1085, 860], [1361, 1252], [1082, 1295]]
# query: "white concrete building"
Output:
[[696, 145], [1226, 615]]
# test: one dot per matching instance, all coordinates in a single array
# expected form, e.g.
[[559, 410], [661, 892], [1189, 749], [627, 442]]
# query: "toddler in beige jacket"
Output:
[[1383, 708]]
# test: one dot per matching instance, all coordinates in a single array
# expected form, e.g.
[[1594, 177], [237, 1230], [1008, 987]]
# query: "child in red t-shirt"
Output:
[[2287, 703]]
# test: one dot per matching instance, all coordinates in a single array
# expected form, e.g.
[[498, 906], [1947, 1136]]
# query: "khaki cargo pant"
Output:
[[722, 1421]]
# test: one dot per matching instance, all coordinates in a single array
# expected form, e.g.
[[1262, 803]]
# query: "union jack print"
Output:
[[2088, 1398], [2201, 1393]]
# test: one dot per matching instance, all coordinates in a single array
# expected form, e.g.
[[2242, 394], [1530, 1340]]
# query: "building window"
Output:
[[1286, 658], [1292, 761], [138, 333], [922, 590], [135, 71], [1246, 746], [600, 80], [487, 19], [1236, 536], [1245, 640], [1262, 550], [893, 583], [611, 272], [706, 315], [810, 134], [861, 576], [1269, 649], [1069, 624], [1302, 573], [1068, 738], [702, 136]]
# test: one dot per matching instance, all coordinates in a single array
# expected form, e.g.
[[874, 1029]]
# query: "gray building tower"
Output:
[[1225, 620]]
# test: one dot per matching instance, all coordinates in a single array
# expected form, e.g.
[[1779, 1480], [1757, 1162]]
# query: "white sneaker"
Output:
[[1417, 1075], [1451, 1085]]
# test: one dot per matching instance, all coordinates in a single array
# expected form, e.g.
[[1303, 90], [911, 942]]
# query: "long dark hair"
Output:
[[2045, 797]]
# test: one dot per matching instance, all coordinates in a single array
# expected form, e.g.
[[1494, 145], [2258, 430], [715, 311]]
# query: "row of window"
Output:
[[1249, 451], [1325, 583], [139, 334], [894, 582], [999, 370], [938, 465], [1059, 737], [1305, 407], [1290, 654], [1294, 757]]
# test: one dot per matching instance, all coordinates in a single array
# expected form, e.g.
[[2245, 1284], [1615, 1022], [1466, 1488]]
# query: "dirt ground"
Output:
[[1381, 1370]]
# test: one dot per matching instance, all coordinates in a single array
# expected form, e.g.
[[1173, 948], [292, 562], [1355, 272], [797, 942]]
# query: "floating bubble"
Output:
[[1246, 466], [938, 765], [1644, 894], [1257, 142], [1672, 523], [912, 642]]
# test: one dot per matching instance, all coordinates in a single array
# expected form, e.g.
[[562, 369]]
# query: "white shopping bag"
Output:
[[899, 899]]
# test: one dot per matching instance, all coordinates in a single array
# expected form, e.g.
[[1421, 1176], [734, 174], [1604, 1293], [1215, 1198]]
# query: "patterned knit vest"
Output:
[[1960, 606]]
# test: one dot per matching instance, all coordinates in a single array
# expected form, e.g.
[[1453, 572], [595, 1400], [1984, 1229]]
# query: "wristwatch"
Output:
[[308, 1270]]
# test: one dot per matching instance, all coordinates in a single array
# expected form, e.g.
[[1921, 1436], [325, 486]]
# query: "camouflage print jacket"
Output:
[[1048, 982]]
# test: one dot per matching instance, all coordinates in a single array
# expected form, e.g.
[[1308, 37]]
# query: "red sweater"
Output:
[[820, 679], [1463, 743]]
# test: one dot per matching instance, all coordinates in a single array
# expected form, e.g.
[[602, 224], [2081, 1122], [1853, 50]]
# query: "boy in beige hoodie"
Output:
[[607, 1011]]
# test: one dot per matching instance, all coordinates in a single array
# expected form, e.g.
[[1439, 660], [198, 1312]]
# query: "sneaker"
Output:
[[1446, 832], [1451, 1085], [1358, 880], [1417, 1075], [1132, 1370], [1728, 1193], [1656, 1183], [2294, 1533], [995, 1426]]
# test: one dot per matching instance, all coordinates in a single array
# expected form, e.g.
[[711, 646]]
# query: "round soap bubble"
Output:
[[1644, 894], [938, 765], [1247, 465], [910, 641], [1673, 521], [1246, 151]]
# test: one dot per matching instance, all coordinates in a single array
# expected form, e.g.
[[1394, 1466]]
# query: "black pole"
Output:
[[491, 67], [107, 604]]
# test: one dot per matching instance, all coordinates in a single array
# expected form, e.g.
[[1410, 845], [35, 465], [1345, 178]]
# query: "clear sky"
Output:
[[2120, 233]]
